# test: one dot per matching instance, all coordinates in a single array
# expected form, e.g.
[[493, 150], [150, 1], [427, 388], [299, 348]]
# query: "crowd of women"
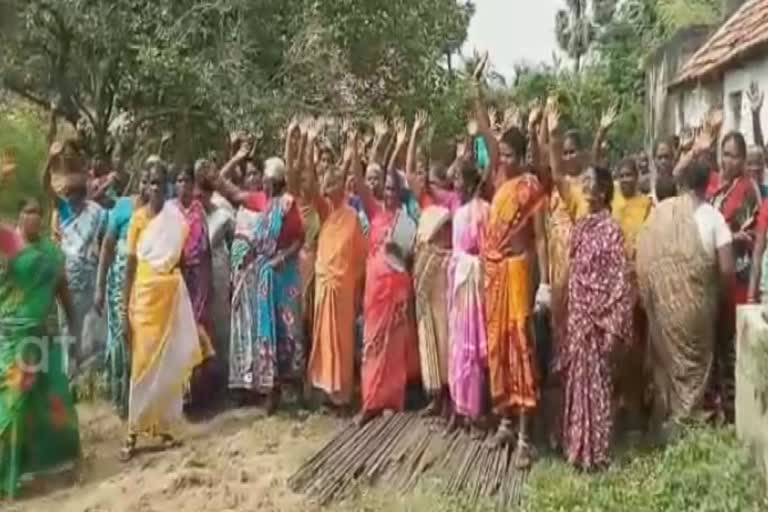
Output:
[[522, 277]]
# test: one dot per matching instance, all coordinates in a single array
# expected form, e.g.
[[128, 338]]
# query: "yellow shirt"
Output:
[[630, 213]]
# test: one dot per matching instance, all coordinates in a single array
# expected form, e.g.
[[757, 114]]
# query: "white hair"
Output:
[[274, 169]]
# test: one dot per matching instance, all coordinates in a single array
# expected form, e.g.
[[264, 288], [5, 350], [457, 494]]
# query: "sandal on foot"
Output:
[[169, 442]]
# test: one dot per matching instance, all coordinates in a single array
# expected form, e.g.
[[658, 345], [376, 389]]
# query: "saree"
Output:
[[197, 270], [339, 271], [601, 299], [220, 232], [165, 346], [79, 234], [242, 332], [508, 295], [307, 257], [38, 423], [630, 213], [739, 203], [562, 216], [117, 353], [390, 345], [678, 283], [430, 282], [467, 335], [271, 351]]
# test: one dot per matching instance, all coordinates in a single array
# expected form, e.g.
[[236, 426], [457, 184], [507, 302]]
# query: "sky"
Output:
[[513, 30]]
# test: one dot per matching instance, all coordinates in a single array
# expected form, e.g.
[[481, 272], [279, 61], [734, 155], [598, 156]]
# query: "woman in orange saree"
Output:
[[339, 271], [514, 231]]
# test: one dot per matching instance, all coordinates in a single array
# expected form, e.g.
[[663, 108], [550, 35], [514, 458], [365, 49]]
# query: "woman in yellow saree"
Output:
[[163, 332]]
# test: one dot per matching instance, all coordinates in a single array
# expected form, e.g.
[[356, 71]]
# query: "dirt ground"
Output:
[[237, 461]]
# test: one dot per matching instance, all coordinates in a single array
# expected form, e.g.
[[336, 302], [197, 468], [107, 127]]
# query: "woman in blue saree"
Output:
[[78, 227], [110, 284], [267, 350]]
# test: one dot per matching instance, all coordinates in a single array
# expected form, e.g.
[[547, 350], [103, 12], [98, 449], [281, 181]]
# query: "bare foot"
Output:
[[453, 424], [433, 409], [524, 454], [272, 402], [364, 417], [476, 432], [502, 437]]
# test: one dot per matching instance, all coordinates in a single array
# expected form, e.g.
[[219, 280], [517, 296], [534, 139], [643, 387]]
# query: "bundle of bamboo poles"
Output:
[[398, 450]]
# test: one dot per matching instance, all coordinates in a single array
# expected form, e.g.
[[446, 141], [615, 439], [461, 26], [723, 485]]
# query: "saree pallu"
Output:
[[165, 345], [275, 354], [340, 266], [678, 285], [79, 235], [38, 422], [390, 345], [508, 295], [198, 271], [467, 335], [430, 282], [601, 299]]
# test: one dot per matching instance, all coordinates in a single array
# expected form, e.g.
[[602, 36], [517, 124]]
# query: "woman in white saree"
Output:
[[163, 335]]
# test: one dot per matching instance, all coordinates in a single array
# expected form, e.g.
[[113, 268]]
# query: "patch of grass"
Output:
[[708, 470]]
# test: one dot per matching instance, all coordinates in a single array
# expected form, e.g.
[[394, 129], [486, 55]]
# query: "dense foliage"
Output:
[[128, 70]]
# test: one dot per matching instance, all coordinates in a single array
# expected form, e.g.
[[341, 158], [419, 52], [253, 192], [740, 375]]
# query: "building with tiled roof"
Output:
[[718, 73]]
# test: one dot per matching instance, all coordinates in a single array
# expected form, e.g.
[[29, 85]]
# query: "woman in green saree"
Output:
[[38, 423]]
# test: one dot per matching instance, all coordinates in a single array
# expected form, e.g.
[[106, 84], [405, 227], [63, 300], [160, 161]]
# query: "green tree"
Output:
[[195, 68], [577, 26]]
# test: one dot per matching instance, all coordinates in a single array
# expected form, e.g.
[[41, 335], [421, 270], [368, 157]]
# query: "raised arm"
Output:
[[401, 138], [310, 189], [225, 185], [534, 123], [381, 133], [419, 123], [290, 150], [756, 97], [556, 151], [602, 131]]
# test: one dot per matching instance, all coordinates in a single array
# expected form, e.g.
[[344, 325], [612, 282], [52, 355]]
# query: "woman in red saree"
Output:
[[599, 319], [390, 346], [738, 199]]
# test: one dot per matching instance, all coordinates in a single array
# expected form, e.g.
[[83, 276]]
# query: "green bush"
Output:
[[23, 131], [706, 471]]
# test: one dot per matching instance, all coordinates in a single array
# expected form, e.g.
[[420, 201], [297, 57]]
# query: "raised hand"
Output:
[[493, 116], [313, 128], [380, 126], [293, 125], [755, 96], [714, 121], [401, 131], [553, 115], [512, 118], [535, 115], [687, 137], [609, 117], [420, 121], [244, 151]]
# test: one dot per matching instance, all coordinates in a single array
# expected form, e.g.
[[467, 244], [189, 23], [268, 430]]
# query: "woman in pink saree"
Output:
[[468, 357]]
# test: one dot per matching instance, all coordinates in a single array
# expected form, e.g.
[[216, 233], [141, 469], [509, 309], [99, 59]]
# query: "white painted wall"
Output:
[[737, 79], [694, 102]]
